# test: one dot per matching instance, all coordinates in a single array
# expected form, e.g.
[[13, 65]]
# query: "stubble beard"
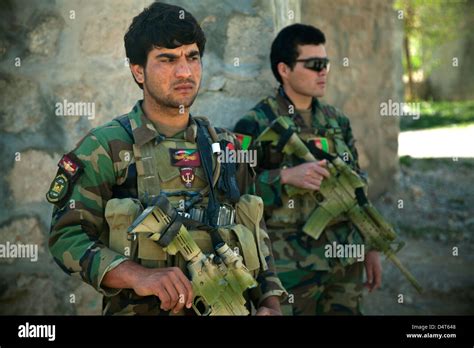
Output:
[[167, 101], [170, 102]]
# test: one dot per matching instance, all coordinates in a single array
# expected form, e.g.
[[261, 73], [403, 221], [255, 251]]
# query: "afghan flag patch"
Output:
[[321, 143], [185, 158], [245, 140]]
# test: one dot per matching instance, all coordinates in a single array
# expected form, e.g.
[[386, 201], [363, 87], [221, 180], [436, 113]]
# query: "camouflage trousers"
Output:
[[318, 285], [334, 292]]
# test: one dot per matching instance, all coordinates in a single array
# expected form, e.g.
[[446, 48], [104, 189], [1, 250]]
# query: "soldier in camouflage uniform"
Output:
[[150, 151], [316, 284]]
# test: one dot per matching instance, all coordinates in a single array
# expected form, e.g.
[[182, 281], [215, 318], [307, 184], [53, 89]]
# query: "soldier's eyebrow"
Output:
[[191, 54], [167, 55]]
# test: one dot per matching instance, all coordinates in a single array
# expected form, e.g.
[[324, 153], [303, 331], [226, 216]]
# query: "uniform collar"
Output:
[[284, 102], [144, 131]]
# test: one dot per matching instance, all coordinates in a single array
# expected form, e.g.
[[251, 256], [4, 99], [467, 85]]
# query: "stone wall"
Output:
[[53, 51]]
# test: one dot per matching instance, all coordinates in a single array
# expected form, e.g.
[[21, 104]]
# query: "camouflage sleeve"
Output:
[[346, 128], [267, 181], [269, 283], [268, 186], [76, 239]]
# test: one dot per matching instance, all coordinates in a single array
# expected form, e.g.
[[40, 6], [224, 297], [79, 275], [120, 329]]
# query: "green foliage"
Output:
[[429, 24], [406, 161], [440, 114]]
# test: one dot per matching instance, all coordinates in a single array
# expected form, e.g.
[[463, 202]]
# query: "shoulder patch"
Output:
[[70, 168], [58, 189]]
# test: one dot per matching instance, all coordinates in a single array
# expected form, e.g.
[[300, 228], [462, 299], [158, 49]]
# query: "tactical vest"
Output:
[[159, 171], [296, 210]]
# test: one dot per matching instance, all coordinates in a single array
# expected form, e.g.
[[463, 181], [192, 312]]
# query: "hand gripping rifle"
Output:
[[341, 193], [218, 280]]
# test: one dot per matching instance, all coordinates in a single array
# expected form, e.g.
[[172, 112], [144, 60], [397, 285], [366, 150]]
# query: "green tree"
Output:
[[427, 25]]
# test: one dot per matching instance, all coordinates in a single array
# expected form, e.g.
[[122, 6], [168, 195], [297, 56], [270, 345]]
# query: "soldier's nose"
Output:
[[183, 71]]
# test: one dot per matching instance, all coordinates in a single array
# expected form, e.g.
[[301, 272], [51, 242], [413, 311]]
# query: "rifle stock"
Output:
[[218, 281]]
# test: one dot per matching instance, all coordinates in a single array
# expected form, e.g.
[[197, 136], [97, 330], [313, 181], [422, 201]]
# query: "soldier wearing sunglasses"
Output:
[[318, 283]]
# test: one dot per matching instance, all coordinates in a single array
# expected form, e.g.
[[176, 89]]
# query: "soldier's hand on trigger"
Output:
[[306, 176], [170, 285]]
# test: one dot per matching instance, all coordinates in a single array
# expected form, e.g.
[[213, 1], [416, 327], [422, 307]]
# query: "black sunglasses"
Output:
[[316, 64]]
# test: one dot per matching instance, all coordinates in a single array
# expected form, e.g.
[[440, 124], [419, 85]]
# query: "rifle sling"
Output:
[[176, 221], [205, 152], [318, 153], [285, 135], [361, 197]]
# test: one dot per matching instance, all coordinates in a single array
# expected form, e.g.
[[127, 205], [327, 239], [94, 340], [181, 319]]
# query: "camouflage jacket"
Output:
[[268, 184], [306, 252], [90, 175]]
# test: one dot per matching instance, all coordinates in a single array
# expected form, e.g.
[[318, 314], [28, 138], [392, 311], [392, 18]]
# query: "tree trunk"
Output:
[[406, 46]]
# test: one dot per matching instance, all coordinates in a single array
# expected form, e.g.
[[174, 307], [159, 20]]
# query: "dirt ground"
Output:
[[436, 218]]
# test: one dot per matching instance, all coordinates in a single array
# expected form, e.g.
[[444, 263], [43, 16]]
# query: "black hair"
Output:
[[161, 25], [285, 45]]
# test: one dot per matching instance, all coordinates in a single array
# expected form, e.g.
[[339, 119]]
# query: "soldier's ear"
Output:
[[283, 70], [138, 72]]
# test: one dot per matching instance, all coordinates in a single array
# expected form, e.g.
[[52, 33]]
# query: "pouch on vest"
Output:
[[249, 213], [150, 250], [119, 214], [246, 244], [235, 236]]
